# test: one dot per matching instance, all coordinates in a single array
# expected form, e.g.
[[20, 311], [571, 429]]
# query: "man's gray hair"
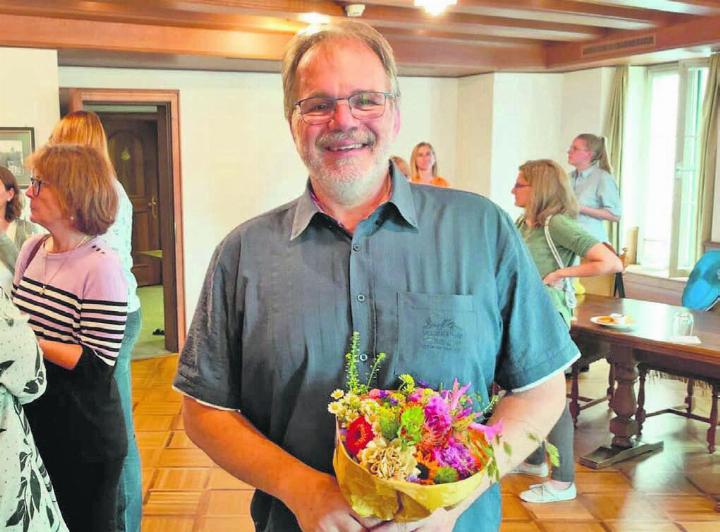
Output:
[[301, 43]]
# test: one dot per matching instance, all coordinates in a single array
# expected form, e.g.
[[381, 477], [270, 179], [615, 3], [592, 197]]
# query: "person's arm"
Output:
[[600, 261], [238, 447], [600, 214], [8, 252], [532, 412], [64, 355]]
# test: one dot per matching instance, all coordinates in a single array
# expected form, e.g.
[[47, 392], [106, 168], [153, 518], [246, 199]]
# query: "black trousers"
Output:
[[86, 492]]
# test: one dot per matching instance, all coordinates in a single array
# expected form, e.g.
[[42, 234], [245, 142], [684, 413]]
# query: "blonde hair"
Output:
[[84, 128], [596, 145], [551, 191], [82, 183], [413, 160], [302, 43]]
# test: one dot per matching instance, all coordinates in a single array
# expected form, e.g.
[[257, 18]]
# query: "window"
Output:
[[667, 207]]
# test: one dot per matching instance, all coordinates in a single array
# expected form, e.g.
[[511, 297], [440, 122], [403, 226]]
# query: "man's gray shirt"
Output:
[[436, 278]]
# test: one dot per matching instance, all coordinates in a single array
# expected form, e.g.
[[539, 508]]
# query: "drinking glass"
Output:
[[683, 323]]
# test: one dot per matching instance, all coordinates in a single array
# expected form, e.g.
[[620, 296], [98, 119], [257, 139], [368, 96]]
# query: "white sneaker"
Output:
[[545, 492], [539, 470]]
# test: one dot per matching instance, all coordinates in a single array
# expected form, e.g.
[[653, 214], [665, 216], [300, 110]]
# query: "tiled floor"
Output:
[[672, 490]]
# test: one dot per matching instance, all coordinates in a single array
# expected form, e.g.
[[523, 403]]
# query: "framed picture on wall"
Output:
[[16, 143]]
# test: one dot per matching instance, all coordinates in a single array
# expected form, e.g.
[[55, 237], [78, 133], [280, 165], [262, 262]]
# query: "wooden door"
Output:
[[133, 147]]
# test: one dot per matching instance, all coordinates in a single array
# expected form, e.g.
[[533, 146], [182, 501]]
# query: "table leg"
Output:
[[623, 426]]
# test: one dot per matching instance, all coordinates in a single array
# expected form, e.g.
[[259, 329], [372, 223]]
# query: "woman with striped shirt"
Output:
[[75, 293]]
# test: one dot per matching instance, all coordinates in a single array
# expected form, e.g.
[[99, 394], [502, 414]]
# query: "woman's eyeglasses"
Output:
[[520, 185], [36, 185]]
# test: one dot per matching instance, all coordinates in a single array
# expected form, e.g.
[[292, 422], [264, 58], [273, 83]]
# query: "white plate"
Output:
[[618, 326]]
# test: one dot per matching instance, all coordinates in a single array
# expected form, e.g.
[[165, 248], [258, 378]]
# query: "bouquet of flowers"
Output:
[[402, 454]]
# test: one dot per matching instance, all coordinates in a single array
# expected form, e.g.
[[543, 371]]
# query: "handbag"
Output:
[[567, 285]]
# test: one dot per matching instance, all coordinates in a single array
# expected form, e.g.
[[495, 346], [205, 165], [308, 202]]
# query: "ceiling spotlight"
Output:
[[354, 10], [435, 7], [314, 18]]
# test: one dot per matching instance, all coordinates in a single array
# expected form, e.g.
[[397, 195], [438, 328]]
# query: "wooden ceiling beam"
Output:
[[703, 31], [463, 23], [684, 7], [150, 14], [40, 32], [591, 14]]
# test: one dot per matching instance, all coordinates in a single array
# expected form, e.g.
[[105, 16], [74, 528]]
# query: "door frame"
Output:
[[173, 265]]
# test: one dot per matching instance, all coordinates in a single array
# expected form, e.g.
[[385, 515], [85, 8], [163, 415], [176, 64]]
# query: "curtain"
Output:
[[614, 126], [708, 156]]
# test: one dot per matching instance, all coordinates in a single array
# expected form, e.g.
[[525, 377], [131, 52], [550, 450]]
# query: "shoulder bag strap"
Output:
[[551, 244]]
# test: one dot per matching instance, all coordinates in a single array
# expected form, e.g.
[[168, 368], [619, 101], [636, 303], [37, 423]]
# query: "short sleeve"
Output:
[[609, 195], [570, 235], [103, 309], [536, 342], [210, 363]]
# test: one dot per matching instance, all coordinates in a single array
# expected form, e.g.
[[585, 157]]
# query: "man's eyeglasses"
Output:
[[36, 185], [363, 106]]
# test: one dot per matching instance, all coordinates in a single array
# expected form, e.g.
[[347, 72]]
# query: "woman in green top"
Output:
[[543, 189]]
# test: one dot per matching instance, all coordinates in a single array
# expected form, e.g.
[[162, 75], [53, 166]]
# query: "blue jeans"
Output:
[[129, 502]]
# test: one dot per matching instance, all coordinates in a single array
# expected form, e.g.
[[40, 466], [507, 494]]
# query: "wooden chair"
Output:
[[606, 285]]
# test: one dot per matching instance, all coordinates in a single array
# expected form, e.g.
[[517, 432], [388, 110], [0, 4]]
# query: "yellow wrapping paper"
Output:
[[394, 499]]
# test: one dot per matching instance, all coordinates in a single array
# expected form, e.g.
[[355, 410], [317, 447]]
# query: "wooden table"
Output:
[[648, 341]]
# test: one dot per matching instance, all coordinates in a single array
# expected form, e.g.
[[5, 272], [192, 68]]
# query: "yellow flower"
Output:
[[337, 394]]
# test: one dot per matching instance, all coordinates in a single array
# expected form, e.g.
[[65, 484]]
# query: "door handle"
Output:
[[153, 204]]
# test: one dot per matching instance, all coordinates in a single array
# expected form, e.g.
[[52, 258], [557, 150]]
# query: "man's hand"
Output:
[[441, 520], [322, 508]]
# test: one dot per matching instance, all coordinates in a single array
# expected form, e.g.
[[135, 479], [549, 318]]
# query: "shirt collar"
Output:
[[586, 172], [401, 197]]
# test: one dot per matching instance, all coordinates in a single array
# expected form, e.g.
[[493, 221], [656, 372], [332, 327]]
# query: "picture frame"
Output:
[[17, 143]]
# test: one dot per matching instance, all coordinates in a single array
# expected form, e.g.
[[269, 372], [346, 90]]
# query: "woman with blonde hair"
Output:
[[554, 239], [424, 168], [72, 287], [85, 128], [594, 186]]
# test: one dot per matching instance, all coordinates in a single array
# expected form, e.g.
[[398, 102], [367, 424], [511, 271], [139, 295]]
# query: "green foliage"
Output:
[[445, 475], [351, 362], [552, 453], [389, 424], [352, 375], [411, 423], [407, 383]]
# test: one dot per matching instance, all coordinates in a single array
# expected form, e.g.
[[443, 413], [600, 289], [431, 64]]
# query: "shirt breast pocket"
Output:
[[438, 338]]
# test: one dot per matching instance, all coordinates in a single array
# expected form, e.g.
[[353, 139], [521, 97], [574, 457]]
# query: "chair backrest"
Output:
[[702, 290], [611, 284]]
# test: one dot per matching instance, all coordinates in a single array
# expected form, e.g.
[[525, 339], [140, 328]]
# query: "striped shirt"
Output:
[[74, 297]]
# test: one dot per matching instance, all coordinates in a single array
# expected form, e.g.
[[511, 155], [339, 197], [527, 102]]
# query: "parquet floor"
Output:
[[673, 490]]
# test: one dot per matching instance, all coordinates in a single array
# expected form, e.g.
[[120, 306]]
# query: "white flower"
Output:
[[337, 394]]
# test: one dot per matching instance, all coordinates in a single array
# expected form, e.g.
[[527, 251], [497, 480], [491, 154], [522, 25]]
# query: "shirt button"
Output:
[[363, 357], [361, 297], [356, 247]]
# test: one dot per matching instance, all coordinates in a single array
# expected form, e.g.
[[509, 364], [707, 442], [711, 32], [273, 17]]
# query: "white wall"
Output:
[[429, 114], [474, 133], [527, 111], [237, 155], [29, 90]]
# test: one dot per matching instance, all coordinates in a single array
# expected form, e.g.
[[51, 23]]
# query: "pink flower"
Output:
[[438, 420], [490, 431]]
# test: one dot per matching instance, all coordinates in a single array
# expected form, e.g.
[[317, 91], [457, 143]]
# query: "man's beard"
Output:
[[347, 180]]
